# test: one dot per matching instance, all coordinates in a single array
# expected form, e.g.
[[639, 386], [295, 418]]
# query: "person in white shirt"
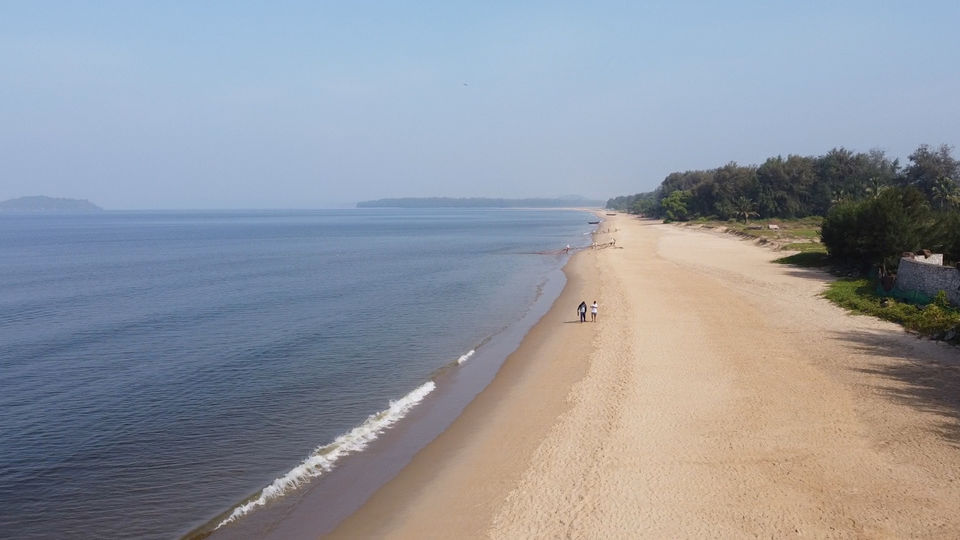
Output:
[[593, 311]]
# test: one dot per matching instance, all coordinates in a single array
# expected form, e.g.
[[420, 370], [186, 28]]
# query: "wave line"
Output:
[[466, 356], [323, 457]]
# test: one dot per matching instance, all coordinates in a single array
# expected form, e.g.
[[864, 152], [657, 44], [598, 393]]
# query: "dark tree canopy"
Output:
[[874, 209], [928, 166], [878, 230], [799, 186]]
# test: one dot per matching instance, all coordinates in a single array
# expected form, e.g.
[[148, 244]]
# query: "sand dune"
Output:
[[716, 396]]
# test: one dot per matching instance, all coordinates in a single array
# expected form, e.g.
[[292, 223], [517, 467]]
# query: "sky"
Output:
[[231, 104]]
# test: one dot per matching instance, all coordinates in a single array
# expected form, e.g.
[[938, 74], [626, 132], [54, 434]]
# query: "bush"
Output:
[[674, 206], [877, 231]]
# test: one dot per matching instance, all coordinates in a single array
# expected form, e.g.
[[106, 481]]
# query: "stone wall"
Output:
[[927, 279]]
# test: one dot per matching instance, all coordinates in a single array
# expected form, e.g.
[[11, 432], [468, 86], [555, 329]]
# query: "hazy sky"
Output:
[[232, 104]]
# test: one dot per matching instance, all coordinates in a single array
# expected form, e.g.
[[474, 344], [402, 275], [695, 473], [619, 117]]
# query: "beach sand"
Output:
[[717, 395]]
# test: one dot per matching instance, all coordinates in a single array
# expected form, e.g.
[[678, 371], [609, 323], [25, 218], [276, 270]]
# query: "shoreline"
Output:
[[526, 375], [336, 494]]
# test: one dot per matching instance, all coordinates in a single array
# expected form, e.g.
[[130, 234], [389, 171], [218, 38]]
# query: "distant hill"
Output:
[[479, 202], [48, 204]]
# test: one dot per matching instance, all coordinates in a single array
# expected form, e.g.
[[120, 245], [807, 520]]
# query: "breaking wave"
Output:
[[465, 357], [324, 457]]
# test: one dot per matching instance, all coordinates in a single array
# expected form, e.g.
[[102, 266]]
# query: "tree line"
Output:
[[873, 207]]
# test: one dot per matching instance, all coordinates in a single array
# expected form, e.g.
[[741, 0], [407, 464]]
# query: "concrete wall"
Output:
[[934, 258], [927, 279]]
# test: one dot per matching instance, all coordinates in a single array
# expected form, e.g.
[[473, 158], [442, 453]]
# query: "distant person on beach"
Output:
[[593, 311], [582, 311], [567, 249]]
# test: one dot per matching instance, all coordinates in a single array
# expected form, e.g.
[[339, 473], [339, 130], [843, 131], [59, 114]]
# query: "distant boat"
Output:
[[593, 222]]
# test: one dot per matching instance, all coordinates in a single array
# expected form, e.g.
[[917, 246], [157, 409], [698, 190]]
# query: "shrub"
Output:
[[878, 230], [675, 206]]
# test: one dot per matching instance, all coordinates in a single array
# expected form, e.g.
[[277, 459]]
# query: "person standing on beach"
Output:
[[582, 311], [593, 311]]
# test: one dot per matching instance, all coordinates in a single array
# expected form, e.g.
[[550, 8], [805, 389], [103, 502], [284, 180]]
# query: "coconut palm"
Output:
[[745, 208], [838, 195], [943, 193], [874, 186]]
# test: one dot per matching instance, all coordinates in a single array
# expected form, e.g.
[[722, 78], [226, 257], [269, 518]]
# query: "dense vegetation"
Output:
[[878, 230], [874, 209]]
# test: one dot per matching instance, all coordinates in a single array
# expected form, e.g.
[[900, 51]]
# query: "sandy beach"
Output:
[[717, 395]]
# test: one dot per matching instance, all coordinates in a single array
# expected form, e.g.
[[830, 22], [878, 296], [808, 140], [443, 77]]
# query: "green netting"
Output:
[[913, 297]]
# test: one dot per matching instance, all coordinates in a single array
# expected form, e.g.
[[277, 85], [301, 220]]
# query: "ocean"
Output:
[[164, 370]]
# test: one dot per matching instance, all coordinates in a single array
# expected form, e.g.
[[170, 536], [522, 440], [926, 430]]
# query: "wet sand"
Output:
[[717, 395]]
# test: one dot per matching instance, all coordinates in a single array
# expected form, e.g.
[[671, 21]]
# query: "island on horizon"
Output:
[[40, 203], [480, 202]]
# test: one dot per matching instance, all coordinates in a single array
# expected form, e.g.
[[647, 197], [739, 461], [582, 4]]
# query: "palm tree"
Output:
[[874, 187], [838, 195], [745, 208], [943, 193]]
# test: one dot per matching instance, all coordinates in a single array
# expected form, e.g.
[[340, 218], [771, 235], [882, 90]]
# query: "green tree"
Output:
[[930, 165], [675, 206], [874, 187], [949, 228], [877, 173], [877, 231], [943, 193], [745, 208], [839, 196], [644, 206], [836, 175], [773, 187]]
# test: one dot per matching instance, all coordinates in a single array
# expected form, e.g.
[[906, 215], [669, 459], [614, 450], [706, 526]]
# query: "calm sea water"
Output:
[[157, 368]]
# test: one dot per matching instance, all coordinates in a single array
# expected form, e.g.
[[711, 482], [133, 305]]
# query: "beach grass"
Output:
[[805, 247], [936, 320], [800, 230]]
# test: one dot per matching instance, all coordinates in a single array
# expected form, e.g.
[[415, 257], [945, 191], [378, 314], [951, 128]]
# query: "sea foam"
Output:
[[466, 356], [323, 458]]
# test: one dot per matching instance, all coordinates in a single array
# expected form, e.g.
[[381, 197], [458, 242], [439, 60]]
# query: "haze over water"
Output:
[[160, 367], [321, 104]]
